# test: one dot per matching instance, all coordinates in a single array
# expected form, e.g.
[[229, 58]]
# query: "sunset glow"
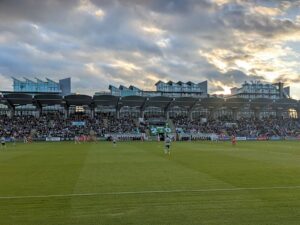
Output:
[[129, 42]]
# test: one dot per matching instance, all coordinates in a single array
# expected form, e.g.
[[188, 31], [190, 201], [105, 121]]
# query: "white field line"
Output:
[[150, 192]]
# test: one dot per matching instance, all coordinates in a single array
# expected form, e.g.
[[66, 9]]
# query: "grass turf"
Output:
[[218, 170]]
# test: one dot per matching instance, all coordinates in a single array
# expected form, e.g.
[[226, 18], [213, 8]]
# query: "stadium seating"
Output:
[[56, 125]]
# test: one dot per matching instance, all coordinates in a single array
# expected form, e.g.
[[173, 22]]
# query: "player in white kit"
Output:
[[3, 141], [168, 145]]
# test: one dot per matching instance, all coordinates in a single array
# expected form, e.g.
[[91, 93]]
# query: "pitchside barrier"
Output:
[[126, 137], [173, 136], [292, 138], [262, 138], [197, 136], [53, 139], [241, 138]]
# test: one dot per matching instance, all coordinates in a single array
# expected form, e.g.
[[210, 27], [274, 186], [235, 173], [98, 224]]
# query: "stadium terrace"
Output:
[[184, 110]]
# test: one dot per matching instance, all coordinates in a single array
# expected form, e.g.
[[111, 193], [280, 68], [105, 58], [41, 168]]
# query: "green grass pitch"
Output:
[[135, 183]]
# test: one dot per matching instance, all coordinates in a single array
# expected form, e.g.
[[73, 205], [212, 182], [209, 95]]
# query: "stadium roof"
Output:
[[186, 102], [160, 101], [177, 83], [132, 101], [13, 99], [236, 102], [18, 99], [46, 99], [261, 103], [290, 103], [212, 102], [105, 100], [78, 100]]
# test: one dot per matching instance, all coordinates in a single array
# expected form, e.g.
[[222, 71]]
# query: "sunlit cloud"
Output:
[[267, 11], [225, 90], [139, 42], [125, 65], [153, 30], [90, 67], [35, 26], [163, 43], [88, 7], [222, 2]]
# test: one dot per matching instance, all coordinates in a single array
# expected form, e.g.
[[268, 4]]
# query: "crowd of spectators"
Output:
[[122, 125], [244, 127], [56, 125]]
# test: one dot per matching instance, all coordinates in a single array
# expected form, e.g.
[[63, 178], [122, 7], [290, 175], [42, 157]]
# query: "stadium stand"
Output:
[[50, 115], [245, 127], [55, 125]]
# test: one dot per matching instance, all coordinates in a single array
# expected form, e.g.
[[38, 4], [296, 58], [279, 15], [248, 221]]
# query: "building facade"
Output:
[[168, 89], [257, 89], [181, 89], [123, 91], [62, 87], [65, 86]]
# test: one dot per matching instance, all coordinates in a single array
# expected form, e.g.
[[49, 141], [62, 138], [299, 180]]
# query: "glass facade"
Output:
[[49, 86], [259, 90], [169, 89], [181, 89], [124, 91], [65, 86]]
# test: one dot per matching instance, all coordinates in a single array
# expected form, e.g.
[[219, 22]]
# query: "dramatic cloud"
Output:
[[102, 42]]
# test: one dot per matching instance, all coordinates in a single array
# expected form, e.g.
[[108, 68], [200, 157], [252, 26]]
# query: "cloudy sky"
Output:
[[102, 42]]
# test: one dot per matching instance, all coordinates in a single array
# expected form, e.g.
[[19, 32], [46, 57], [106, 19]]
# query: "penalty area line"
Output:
[[149, 192]]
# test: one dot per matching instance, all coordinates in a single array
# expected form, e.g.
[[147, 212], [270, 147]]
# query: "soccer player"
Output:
[[29, 139], [114, 140], [3, 142], [233, 140], [168, 145], [13, 140], [76, 140]]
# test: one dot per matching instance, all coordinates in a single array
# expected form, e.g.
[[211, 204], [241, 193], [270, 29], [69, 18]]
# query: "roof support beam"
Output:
[[167, 107], [10, 105], [193, 106], [143, 106]]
